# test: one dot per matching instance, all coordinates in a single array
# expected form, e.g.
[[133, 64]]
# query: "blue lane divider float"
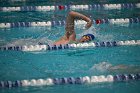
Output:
[[71, 7], [70, 46], [62, 23], [70, 80]]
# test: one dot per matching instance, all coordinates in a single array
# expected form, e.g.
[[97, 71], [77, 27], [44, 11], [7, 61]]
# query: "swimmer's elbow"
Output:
[[71, 13]]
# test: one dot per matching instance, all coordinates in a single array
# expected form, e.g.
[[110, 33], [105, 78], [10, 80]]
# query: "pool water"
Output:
[[19, 65]]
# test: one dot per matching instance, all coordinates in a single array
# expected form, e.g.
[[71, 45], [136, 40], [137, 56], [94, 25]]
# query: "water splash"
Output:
[[102, 37], [2, 42], [102, 67], [121, 68], [29, 41], [98, 36], [91, 30]]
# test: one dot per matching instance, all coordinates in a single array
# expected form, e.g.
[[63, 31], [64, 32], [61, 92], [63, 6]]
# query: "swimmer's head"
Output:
[[87, 38]]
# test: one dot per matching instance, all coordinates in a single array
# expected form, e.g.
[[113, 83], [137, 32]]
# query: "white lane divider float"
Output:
[[70, 80], [42, 47], [62, 23], [71, 7]]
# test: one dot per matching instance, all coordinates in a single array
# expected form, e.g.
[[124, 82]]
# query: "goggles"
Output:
[[87, 37]]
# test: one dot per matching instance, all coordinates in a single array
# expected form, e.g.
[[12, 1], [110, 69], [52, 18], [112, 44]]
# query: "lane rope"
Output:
[[70, 80], [42, 47], [71, 7], [62, 23]]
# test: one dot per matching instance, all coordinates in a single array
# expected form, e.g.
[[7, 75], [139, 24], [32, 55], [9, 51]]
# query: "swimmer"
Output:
[[70, 35], [125, 68], [120, 68]]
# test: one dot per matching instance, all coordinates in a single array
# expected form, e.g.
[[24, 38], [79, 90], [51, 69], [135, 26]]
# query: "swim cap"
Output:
[[90, 35]]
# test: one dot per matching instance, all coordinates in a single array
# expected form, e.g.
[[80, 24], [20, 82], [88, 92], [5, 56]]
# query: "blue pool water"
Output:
[[19, 65]]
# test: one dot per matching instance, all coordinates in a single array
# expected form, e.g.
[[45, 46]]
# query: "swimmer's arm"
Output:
[[77, 15], [70, 33], [70, 23]]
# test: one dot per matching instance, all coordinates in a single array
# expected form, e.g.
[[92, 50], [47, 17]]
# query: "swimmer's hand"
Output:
[[88, 25]]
